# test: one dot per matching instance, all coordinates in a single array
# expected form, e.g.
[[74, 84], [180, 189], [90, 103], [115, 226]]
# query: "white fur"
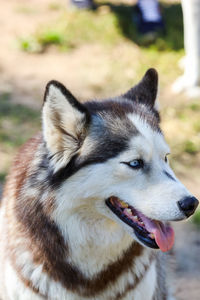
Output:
[[145, 289], [70, 119], [16, 290]]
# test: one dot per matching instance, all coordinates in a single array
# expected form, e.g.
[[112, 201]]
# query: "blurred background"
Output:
[[99, 53]]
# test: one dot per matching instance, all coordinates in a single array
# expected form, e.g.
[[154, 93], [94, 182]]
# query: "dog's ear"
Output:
[[146, 90], [65, 123]]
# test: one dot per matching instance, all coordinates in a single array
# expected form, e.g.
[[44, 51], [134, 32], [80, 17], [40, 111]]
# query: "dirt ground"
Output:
[[24, 76]]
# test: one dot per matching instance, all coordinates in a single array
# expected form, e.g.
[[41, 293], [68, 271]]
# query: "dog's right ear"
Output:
[[145, 91], [65, 123]]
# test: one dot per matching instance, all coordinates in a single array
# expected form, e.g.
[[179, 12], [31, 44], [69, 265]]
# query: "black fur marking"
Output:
[[169, 176], [120, 107], [146, 90], [100, 155], [56, 179]]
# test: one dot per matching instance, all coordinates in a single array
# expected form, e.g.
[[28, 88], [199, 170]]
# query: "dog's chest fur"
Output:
[[40, 262]]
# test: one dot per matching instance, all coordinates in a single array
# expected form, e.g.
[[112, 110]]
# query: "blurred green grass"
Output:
[[196, 218], [182, 127], [71, 30], [108, 25]]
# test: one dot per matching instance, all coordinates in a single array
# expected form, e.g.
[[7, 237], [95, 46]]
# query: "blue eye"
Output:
[[135, 164], [166, 158]]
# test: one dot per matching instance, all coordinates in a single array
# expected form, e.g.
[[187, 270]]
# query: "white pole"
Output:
[[190, 81]]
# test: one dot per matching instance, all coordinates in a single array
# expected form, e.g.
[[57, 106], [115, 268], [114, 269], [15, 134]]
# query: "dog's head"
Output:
[[111, 156]]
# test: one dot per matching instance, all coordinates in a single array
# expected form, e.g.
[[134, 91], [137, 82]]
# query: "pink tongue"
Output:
[[164, 234]]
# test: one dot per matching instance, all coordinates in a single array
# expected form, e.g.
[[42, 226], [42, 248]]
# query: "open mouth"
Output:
[[152, 233]]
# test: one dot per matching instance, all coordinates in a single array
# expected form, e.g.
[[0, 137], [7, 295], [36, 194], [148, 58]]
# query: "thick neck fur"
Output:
[[82, 254], [93, 244]]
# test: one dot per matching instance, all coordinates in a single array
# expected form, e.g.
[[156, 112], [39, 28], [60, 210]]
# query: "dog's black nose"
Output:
[[188, 205]]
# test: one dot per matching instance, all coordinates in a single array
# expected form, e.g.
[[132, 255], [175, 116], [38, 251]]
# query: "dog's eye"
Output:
[[166, 158], [135, 164]]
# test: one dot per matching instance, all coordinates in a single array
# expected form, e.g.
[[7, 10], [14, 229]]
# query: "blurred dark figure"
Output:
[[83, 4], [150, 22], [149, 19]]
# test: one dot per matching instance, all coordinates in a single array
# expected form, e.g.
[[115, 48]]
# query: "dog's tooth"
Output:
[[152, 236], [123, 204], [128, 211]]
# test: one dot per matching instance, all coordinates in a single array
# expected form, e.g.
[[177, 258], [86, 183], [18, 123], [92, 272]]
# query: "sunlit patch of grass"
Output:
[[54, 6], [109, 24], [73, 29], [182, 116], [50, 37], [191, 147], [29, 44], [195, 106]]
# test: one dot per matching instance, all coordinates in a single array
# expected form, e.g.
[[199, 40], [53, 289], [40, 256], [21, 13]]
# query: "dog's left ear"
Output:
[[146, 90], [65, 123]]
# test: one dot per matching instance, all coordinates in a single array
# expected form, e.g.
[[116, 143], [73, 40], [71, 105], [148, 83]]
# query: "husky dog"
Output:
[[88, 201]]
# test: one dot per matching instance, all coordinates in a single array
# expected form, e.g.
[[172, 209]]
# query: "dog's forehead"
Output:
[[148, 139], [114, 115], [113, 126]]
